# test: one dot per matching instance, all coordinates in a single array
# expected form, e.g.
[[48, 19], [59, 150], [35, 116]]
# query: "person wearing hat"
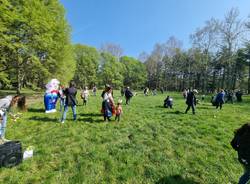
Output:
[[191, 101], [128, 95]]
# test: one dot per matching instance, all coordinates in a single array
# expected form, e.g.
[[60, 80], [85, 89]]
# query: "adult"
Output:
[[94, 90], [6, 105], [61, 97], [241, 143], [184, 93], [168, 102], [107, 103], [238, 95], [128, 95], [220, 99], [191, 101], [146, 90], [85, 95], [229, 97], [70, 94]]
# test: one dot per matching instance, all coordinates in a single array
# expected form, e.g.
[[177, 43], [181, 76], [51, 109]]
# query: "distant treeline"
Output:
[[35, 46]]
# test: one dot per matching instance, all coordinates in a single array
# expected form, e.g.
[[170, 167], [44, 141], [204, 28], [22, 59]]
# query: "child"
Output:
[[85, 95], [118, 110]]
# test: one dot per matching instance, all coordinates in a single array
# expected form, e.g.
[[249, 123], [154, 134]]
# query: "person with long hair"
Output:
[[107, 103], [6, 104]]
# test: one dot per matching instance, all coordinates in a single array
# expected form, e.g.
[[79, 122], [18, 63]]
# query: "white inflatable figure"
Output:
[[51, 96]]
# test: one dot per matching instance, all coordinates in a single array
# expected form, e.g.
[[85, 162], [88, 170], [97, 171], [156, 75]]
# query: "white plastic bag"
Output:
[[28, 153]]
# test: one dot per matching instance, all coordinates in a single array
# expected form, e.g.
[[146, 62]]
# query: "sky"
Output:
[[137, 25]]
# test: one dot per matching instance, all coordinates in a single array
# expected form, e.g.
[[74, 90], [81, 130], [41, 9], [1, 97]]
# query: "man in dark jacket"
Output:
[[191, 100], [70, 94], [128, 95]]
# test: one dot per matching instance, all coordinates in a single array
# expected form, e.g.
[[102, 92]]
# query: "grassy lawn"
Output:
[[150, 144]]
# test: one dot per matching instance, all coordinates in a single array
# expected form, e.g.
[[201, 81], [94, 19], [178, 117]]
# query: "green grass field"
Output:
[[151, 144]]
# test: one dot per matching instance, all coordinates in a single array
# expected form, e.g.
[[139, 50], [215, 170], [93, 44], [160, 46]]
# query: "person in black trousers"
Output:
[[128, 95], [191, 101]]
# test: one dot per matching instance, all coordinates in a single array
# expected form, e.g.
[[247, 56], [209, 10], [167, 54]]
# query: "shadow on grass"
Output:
[[36, 110], [43, 119], [90, 114], [174, 112], [89, 120], [175, 179]]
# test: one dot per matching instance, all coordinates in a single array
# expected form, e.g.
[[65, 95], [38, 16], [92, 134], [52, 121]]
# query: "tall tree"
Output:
[[87, 62]]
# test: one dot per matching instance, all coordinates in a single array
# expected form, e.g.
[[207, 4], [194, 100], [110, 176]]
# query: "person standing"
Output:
[[62, 97], [191, 101], [220, 99], [107, 103], [94, 90], [5, 106], [85, 95], [70, 94], [128, 95]]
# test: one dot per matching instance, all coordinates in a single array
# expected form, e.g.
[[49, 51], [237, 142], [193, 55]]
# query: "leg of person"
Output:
[[193, 108], [3, 126], [119, 117], [126, 101], [64, 113], [221, 105], [74, 112], [105, 117], [188, 107], [245, 178], [116, 117]]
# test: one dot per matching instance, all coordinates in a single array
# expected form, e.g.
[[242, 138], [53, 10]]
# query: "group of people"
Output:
[[68, 99]]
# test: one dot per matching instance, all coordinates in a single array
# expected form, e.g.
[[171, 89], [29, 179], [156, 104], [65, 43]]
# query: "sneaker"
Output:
[[62, 122]]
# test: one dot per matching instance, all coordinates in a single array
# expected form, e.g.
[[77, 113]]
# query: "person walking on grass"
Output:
[[94, 90], [220, 99], [241, 144], [118, 110], [6, 105], [85, 95], [128, 95], [107, 103], [70, 101], [191, 100]]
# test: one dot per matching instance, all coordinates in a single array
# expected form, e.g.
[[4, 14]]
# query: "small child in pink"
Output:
[[118, 110]]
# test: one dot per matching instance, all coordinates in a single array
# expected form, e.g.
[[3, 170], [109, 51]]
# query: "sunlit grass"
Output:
[[150, 144]]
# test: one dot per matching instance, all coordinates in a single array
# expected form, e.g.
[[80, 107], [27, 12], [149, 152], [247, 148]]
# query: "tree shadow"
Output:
[[43, 119], [175, 179], [36, 110]]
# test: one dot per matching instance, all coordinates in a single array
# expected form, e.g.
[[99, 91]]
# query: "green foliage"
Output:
[[87, 62], [111, 71], [135, 72], [151, 144], [35, 42]]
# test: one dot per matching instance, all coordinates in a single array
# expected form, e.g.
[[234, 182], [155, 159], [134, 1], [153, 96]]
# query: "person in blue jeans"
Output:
[[5, 107], [241, 143], [70, 101]]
